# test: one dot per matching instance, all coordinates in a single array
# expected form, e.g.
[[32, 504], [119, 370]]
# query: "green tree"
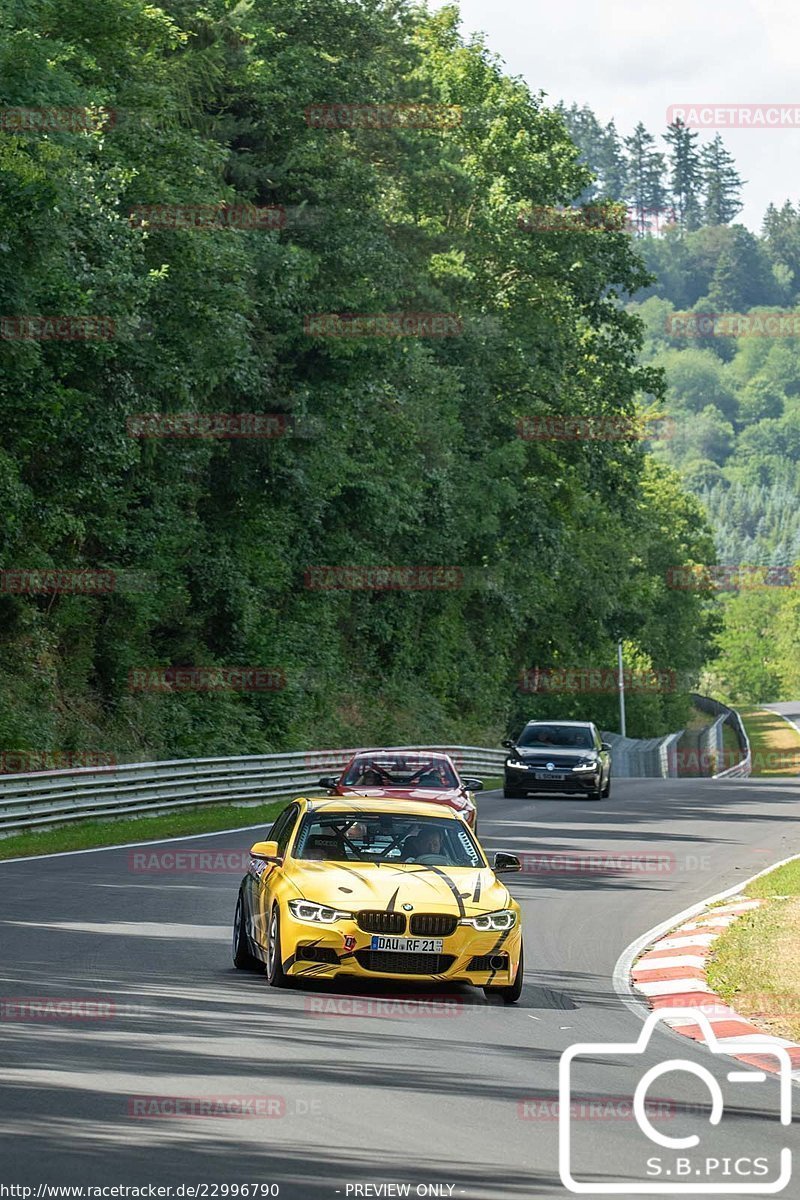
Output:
[[412, 453], [747, 670], [686, 176], [722, 184], [742, 278], [645, 171], [781, 232]]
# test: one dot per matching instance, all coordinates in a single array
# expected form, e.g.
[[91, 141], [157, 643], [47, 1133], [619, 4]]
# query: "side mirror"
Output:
[[504, 863], [473, 785], [605, 746], [507, 742], [328, 781], [267, 850]]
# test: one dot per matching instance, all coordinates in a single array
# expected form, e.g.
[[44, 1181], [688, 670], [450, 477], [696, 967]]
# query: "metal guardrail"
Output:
[[742, 769], [55, 797], [643, 758]]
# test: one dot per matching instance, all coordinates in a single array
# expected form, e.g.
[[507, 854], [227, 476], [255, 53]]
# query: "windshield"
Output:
[[573, 737], [400, 770], [387, 838]]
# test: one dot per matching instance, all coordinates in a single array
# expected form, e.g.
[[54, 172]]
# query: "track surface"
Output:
[[788, 709], [418, 1099]]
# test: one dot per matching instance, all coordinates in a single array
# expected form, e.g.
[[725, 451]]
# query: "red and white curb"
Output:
[[671, 974]]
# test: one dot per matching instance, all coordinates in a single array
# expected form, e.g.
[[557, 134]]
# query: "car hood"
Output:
[[558, 755], [390, 886], [452, 796]]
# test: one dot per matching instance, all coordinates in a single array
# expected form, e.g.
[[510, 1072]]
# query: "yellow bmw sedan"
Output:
[[378, 889]]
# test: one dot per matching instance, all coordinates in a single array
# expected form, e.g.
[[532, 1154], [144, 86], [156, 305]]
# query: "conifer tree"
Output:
[[722, 184], [686, 175]]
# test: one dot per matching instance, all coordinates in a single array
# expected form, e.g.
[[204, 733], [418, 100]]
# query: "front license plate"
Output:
[[549, 775], [407, 945]]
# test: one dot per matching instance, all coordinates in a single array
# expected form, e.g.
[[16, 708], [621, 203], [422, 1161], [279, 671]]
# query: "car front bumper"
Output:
[[524, 779], [343, 949]]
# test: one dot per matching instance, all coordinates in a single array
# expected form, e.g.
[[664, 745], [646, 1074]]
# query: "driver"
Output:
[[429, 841], [370, 777]]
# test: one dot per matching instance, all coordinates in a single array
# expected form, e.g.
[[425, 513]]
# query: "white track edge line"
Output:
[[621, 978], [189, 837]]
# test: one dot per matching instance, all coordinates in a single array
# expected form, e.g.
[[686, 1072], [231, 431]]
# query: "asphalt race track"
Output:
[[452, 1091]]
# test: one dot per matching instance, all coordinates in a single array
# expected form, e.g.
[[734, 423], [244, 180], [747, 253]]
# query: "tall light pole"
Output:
[[621, 686]]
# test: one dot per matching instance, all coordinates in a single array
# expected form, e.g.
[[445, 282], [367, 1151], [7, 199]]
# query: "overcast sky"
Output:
[[631, 59]]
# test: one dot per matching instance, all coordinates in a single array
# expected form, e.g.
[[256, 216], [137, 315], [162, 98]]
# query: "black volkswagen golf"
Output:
[[558, 756]]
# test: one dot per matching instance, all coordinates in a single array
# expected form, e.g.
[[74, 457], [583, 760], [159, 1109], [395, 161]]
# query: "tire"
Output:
[[243, 957], [510, 995], [595, 794], [275, 974], [606, 792]]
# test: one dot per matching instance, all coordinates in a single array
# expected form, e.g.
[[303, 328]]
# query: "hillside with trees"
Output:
[[734, 401], [410, 451]]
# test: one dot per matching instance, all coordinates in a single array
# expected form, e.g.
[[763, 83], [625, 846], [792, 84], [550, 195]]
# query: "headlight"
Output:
[[316, 914], [513, 762], [591, 765], [506, 918]]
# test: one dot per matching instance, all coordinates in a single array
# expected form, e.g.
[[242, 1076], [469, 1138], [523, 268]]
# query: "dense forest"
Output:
[[734, 401], [396, 449]]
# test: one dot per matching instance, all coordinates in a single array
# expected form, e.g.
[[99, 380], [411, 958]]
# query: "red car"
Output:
[[407, 775]]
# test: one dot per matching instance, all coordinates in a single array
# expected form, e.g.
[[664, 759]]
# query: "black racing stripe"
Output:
[[462, 912], [391, 904], [419, 871], [350, 871], [496, 947], [289, 962], [476, 895]]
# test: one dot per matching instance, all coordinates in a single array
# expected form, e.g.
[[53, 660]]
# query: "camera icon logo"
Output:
[[681, 1167]]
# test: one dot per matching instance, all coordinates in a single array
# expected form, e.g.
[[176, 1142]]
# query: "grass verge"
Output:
[[755, 964], [86, 835], [83, 835], [774, 743]]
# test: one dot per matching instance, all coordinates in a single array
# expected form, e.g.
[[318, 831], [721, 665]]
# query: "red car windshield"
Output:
[[400, 771]]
